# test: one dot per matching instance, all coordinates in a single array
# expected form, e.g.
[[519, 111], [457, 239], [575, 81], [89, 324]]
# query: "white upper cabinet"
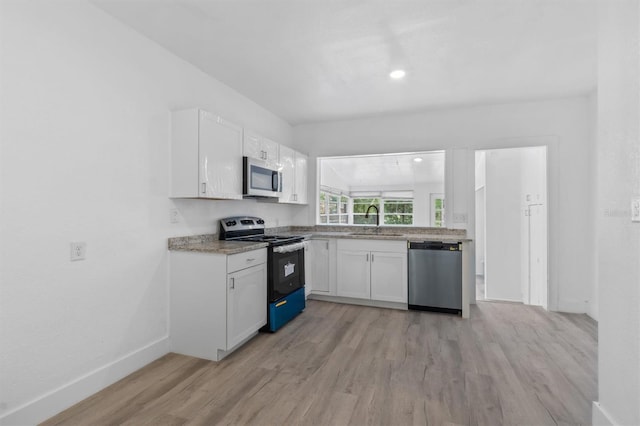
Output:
[[287, 167], [206, 156], [294, 167], [256, 146], [300, 186]]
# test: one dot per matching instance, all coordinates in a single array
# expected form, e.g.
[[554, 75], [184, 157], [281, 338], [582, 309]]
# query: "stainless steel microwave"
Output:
[[260, 179]]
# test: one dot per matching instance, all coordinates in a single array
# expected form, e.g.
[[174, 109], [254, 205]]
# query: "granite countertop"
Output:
[[381, 233], [209, 243]]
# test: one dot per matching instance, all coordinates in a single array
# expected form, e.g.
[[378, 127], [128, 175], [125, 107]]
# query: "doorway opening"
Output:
[[511, 225]]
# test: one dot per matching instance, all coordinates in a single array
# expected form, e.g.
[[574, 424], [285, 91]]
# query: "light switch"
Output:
[[635, 210], [174, 216]]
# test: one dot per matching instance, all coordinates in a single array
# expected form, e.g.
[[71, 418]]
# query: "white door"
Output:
[[300, 186], [538, 255], [319, 266], [354, 274], [287, 164], [389, 276], [246, 303], [220, 158]]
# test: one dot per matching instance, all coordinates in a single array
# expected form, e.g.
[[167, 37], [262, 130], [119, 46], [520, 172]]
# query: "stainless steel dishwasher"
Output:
[[435, 276]]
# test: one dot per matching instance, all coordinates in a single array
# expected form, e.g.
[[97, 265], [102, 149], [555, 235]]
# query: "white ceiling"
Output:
[[385, 171], [317, 60]]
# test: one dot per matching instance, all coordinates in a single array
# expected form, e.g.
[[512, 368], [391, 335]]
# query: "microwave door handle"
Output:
[[275, 181]]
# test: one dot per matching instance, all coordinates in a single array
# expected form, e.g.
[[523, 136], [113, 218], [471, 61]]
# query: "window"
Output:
[[360, 206], [398, 212], [392, 212], [437, 210], [333, 208]]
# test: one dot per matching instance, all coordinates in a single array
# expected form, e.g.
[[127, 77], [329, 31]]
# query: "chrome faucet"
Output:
[[366, 216]]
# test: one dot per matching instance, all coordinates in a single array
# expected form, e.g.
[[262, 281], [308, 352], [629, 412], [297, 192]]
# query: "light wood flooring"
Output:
[[340, 364]]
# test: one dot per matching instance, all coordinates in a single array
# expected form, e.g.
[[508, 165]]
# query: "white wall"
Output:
[[563, 124], [618, 178], [85, 156]]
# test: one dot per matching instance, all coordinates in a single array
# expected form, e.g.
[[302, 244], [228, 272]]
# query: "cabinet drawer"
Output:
[[236, 262]]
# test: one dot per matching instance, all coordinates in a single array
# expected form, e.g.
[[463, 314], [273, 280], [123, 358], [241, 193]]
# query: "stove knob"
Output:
[[231, 223], [260, 222]]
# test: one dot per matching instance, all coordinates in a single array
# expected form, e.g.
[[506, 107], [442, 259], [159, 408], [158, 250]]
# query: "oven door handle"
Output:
[[290, 247]]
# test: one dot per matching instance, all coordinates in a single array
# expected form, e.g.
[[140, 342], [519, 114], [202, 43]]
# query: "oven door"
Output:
[[287, 270]]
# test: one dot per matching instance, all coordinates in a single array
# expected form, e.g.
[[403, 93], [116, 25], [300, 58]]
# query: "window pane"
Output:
[[323, 219], [360, 205], [333, 204], [359, 219], [344, 202], [398, 219], [322, 204], [344, 219], [333, 218]]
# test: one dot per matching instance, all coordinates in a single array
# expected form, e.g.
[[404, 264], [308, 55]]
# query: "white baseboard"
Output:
[[71, 393], [361, 302], [573, 306], [600, 417]]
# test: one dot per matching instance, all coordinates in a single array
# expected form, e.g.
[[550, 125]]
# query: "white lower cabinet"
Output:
[[372, 269], [246, 303], [216, 301], [320, 264], [354, 273], [317, 266]]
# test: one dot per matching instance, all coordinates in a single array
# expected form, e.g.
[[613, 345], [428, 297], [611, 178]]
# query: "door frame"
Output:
[[552, 173]]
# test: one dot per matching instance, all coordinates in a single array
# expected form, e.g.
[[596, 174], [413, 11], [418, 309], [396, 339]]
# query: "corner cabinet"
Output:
[[294, 176], [206, 156], [217, 302], [373, 270]]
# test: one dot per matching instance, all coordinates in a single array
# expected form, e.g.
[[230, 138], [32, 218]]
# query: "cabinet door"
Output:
[[251, 145], [318, 269], [389, 276], [271, 150], [353, 274], [300, 186], [287, 162], [246, 303], [220, 158]]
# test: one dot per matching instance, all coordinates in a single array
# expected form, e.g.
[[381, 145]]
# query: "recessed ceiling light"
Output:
[[418, 159], [397, 74]]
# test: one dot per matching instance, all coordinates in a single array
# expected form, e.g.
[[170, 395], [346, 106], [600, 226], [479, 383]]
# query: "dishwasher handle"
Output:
[[434, 245]]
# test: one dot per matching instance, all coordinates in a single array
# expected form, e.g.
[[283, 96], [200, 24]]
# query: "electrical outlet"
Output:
[[459, 218], [635, 210], [78, 250], [174, 216]]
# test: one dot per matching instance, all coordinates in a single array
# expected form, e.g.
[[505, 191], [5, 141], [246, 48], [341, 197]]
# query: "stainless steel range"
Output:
[[285, 267]]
